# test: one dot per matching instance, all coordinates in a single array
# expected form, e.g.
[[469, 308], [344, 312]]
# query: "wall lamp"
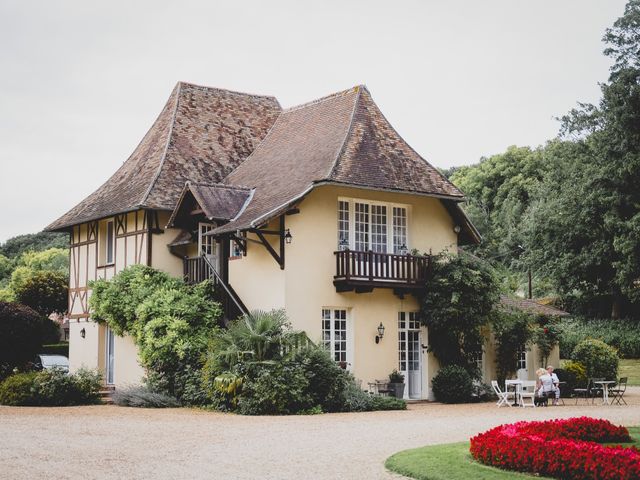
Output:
[[457, 229], [380, 333], [287, 236], [83, 332]]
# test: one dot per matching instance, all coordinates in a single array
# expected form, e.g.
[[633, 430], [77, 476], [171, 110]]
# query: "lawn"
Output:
[[630, 367], [452, 461]]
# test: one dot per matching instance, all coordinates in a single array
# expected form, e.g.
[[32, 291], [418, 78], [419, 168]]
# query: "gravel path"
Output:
[[108, 442]]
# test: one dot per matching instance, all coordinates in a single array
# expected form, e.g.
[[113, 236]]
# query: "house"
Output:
[[321, 209]]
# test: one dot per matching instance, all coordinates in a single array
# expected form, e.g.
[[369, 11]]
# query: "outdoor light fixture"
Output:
[[403, 249], [287, 236], [380, 333], [83, 333], [344, 245], [457, 229]]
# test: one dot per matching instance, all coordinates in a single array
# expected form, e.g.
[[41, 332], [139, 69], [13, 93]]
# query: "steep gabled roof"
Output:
[[339, 139], [218, 202], [201, 135]]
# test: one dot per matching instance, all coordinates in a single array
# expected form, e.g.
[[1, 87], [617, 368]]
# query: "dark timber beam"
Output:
[[278, 256]]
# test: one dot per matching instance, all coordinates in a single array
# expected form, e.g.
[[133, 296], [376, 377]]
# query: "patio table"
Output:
[[517, 387], [605, 389]]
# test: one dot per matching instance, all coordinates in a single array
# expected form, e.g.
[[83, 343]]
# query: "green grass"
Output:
[[452, 461], [630, 367]]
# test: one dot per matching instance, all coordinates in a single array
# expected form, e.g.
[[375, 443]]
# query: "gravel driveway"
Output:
[[105, 442]]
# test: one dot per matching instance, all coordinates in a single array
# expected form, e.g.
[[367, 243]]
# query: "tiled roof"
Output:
[[218, 202], [340, 139], [531, 306], [201, 135]]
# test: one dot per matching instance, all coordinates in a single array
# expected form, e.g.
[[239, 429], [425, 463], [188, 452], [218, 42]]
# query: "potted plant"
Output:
[[396, 383]]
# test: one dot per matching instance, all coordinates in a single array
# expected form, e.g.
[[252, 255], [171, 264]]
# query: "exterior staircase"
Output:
[[105, 394]]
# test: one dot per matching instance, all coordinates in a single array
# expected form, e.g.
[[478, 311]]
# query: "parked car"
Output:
[[45, 361]]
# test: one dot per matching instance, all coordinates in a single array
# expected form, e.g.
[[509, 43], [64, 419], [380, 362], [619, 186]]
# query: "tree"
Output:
[[52, 259], [586, 227], [45, 291], [22, 333], [16, 246], [460, 296]]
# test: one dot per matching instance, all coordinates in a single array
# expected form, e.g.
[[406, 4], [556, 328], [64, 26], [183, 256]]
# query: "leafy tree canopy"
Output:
[[44, 291], [16, 246]]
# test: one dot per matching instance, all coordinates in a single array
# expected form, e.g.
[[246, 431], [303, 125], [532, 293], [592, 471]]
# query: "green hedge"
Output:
[[56, 349], [622, 334]]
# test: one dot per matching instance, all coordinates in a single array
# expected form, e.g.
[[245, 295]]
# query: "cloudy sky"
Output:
[[82, 81]]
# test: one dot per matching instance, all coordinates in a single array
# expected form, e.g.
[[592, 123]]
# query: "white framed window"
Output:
[[335, 334], [522, 358], [107, 242], [365, 225], [206, 243], [478, 359], [408, 352]]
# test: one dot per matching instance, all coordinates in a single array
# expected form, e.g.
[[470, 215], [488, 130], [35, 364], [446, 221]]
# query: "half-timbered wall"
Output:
[[87, 261]]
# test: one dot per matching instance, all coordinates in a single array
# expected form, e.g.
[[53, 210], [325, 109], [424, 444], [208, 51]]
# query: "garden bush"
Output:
[[51, 388], [22, 332], [140, 396], [599, 359], [577, 369], [453, 384], [170, 322], [623, 334]]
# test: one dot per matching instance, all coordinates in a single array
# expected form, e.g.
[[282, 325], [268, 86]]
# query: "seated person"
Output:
[[556, 383], [544, 385]]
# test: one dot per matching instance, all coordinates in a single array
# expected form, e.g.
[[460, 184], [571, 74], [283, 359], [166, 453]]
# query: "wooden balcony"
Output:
[[364, 271]]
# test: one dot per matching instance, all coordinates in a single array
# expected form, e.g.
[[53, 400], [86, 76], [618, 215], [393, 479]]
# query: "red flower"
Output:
[[560, 448]]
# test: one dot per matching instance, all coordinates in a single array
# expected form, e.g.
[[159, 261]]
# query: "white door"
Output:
[[110, 357], [207, 245], [522, 372], [410, 353]]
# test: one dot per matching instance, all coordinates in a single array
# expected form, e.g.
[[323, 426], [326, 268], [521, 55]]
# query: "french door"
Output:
[[110, 356], [410, 353], [207, 245]]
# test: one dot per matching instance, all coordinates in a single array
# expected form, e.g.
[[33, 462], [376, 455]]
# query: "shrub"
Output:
[[142, 397], [578, 370], [19, 389], [278, 389], [51, 388], [623, 334], [21, 336], [387, 403], [452, 384], [170, 322], [599, 359], [355, 399]]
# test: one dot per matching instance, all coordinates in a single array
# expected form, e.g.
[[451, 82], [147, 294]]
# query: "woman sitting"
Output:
[[545, 386]]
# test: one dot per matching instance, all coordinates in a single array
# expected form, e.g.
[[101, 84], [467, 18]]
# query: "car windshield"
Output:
[[54, 361]]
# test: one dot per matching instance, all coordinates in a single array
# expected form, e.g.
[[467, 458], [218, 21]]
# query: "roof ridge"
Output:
[[217, 185], [411, 148], [347, 134], [226, 90], [323, 99], [145, 197]]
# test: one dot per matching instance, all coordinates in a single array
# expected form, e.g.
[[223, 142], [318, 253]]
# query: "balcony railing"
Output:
[[371, 269]]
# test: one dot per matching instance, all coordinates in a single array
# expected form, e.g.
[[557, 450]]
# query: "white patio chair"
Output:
[[525, 394], [504, 398]]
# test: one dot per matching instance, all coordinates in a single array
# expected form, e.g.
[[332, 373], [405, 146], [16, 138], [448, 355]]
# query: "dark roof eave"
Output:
[[66, 226]]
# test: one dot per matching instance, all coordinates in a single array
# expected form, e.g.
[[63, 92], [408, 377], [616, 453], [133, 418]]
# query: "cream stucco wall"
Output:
[[305, 287]]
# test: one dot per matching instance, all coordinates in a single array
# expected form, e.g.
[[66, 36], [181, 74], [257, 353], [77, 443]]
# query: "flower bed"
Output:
[[560, 448]]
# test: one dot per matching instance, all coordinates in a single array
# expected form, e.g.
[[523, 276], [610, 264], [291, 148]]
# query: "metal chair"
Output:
[[504, 398], [584, 392], [617, 394]]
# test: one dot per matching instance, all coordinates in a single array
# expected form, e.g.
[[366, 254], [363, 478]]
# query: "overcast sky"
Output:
[[81, 82]]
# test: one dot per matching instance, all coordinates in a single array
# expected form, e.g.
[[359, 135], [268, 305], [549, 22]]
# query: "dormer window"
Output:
[[364, 225]]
